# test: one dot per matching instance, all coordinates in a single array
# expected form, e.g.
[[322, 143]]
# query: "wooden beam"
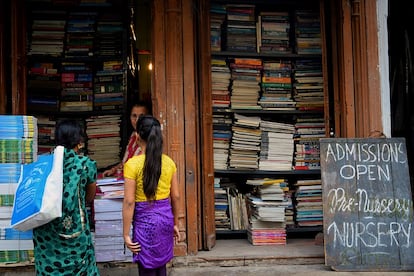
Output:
[[191, 128], [3, 94], [346, 72], [207, 155], [373, 74]]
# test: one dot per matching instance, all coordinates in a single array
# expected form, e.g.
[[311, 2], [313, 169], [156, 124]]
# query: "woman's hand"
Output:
[[133, 246], [109, 172], [176, 234]]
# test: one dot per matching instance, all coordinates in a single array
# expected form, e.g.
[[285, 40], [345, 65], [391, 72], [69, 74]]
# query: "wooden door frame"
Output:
[[206, 121], [174, 100], [3, 76], [18, 58], [355, 66]]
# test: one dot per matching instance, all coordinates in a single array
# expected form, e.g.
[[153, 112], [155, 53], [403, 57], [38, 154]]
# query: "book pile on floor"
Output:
[[108, 239], [266, 208], [18, 140]]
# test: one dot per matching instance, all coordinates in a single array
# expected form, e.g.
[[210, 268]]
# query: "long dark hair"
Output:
[[149, 130], [68, 133]]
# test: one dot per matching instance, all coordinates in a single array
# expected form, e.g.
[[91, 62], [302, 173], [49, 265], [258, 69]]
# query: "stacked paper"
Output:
[[18, 142]]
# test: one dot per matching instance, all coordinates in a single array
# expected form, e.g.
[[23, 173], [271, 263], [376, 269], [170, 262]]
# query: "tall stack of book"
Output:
[[266, 209], [46, 134], [277, 86], [221, 206], [108, 39], [104, 139], [220, 82], [80, 34], [309, 209], [241, 28], [109, 87], [308, 85], [221, 140], [108, 238], [245, 85], [217, 18], [245, 143], [308, 32], [274, 32], [48, 33], [307, 149], [277, 146], [18, 141], [77, 91]]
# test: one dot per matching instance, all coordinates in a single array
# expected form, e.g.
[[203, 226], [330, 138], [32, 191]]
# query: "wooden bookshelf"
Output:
[[299, 50]]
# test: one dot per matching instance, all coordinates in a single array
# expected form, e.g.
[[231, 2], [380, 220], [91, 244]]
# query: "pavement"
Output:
[[231, 257]]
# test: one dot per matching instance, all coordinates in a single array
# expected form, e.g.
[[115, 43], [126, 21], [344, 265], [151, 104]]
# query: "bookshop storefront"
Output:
[[349, 100], [184, 90]]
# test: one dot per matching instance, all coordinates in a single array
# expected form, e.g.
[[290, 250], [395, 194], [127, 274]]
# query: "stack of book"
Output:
[[77, 91], [308, 32], [240, 28], [109, 87], [308, 85], [277, 146], [221, 140], [220, 82], [245, 85], [309, 209], [18, 140], [80, 34], [245, 143], [274, 32], [221, 206], [277, 86], [217, 17], [104, 139], [108, 238], [108, 40], [46, 134], [266, 208], [43, 87], [307, 152], [48, 33], [110, 187]]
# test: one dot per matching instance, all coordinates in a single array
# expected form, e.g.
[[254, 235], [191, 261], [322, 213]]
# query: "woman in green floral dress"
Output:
[[64, 246]]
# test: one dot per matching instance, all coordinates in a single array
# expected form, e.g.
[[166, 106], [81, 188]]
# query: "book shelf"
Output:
[[77, 68], [268, 99]]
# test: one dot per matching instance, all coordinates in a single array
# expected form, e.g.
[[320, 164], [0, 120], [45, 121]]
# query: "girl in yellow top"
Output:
[[150, 201]]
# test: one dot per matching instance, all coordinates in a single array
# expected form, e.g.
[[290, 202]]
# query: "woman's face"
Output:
[[135, 113]]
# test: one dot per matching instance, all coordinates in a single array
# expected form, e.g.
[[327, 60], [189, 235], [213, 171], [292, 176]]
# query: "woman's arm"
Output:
[[90, 192], [175, 199], [128, 213]]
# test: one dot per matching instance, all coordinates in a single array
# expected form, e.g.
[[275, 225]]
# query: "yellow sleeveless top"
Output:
[[134, 169]]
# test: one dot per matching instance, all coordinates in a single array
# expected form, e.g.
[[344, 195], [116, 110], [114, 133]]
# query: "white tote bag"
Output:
[[38, 197]]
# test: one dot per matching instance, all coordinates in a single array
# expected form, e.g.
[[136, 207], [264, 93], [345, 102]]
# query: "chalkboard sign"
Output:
[[367, 204]]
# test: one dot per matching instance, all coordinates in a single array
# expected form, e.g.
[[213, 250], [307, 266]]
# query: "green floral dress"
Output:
[[64, 246]]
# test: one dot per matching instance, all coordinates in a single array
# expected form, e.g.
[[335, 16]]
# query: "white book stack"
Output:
[[108, 239]]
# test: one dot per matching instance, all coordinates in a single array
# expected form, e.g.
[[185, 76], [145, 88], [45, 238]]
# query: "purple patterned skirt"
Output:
[[153, 228]]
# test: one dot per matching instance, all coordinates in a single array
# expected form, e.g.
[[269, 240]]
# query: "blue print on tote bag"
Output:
[[38, 197]]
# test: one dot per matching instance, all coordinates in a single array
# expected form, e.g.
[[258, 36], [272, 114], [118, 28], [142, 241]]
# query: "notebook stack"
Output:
[[18, 141]]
